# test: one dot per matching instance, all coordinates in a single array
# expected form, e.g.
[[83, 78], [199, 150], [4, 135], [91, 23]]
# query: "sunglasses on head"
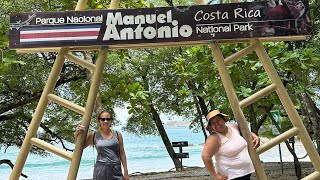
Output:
[[105, 119]]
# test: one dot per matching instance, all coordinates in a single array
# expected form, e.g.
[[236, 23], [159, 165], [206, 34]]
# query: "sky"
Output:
[[122, 115]]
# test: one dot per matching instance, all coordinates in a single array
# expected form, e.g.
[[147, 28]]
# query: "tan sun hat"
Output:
[[213, 114]]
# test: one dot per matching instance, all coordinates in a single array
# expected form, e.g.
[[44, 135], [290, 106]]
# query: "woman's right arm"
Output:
[[89, 139], [210, 148]]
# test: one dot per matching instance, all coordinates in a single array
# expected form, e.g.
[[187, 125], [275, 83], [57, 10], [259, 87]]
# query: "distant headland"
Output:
[[176, 124]]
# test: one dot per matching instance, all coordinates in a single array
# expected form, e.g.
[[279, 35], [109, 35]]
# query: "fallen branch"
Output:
[[7, 161]]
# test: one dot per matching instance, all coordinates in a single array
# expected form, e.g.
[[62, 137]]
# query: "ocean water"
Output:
[[144, 154]]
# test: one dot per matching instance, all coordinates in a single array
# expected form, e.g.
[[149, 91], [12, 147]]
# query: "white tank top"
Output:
[[232, 158]]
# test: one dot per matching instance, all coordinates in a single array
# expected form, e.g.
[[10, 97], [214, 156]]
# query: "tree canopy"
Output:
[[148, 82]]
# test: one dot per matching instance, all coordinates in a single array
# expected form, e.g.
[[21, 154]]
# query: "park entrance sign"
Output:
[[250, 22], [168, 25]]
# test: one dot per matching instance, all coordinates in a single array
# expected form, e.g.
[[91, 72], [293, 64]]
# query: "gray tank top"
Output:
[[108, 149]]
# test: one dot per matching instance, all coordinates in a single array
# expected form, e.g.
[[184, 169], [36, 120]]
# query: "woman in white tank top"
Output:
[[232, 160]]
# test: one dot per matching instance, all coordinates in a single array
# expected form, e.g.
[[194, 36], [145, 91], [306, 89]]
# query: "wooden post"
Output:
[[37, 117], [288, 105], [237, 111]]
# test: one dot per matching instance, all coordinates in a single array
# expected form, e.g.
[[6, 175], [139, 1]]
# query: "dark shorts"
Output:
[[246, 177], [105, 171]]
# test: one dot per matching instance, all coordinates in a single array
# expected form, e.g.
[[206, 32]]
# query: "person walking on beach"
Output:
[[109, 145], [232, 160]]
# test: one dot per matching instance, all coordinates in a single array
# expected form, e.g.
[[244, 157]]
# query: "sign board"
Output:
[[181, 155], [277, 118], [179, 143], [149, 26]]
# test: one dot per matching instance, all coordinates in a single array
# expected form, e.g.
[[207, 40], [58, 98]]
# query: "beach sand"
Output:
[[272, 170]]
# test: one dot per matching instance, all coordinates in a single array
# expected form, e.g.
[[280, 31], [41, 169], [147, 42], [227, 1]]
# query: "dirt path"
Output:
[[273, 171]]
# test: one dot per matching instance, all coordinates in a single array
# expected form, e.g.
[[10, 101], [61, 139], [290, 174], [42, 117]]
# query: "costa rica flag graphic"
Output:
[[58, 34]]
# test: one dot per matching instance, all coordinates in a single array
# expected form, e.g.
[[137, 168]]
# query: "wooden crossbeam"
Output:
[[51, 148], [277, 140], [258, 95], [66, 103], [81, 62]]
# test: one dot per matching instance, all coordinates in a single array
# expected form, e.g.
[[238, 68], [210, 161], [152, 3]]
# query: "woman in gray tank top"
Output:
[[109, 146]]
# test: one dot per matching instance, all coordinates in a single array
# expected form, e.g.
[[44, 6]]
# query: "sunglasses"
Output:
[[105, 119]]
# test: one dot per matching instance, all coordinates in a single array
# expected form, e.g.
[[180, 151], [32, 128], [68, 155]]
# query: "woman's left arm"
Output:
[[123, 157]]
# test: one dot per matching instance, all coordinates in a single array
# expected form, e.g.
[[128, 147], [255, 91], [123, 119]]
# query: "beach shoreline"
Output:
[[273, 170]]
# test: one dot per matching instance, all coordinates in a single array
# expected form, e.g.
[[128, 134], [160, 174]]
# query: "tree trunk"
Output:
[[204, 110], [295, 158], [253, 120], [311, 112], [7, 161], [315, 120], [200, 118], [164, 137], [200, 104]]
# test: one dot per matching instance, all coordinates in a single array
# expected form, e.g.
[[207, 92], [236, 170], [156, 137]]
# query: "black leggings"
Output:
[[246, 177]]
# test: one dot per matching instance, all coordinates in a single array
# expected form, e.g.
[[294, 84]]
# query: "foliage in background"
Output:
[[180, 81]]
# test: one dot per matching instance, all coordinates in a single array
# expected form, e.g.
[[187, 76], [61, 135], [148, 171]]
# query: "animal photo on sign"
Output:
[[294, 14]]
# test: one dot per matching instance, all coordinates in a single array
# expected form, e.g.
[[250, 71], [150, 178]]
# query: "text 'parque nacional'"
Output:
[[70, 20]]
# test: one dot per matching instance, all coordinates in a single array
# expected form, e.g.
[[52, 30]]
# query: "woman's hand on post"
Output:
[[255, 141], [79, 129]]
